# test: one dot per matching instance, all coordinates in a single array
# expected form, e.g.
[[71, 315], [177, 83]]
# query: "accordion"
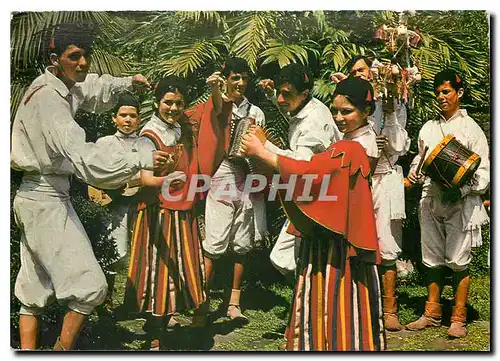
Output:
[[251, 165], [239, 127]]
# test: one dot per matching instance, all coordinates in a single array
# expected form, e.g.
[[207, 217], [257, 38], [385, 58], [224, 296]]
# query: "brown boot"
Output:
[[389, 301], [154, 345], [430, 318], [433, 309], [391, 320], [461, 281]]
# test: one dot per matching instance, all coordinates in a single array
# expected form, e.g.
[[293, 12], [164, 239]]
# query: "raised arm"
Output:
[[394, 130], [100, 93]]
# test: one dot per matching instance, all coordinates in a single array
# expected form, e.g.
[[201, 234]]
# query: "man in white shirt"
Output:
[[388, 121], [450, 218], [57, 260], [233, 222], [311, 131]]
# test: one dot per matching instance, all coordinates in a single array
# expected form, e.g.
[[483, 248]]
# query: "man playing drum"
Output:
[[450, 218]]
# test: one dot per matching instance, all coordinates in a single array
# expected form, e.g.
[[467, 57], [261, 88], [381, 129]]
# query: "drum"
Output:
[[451, 164]]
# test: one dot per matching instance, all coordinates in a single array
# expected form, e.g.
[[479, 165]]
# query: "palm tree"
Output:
[[30, 32]]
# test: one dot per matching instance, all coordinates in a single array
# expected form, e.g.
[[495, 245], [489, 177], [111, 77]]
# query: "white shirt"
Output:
[[168, 133], [46, 139], [311, 131], [367, 138], [467, 132], [120, 142], [394, 129]]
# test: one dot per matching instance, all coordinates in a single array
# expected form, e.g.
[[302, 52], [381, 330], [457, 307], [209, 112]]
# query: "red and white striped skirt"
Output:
[[166, 272], [337, 301]]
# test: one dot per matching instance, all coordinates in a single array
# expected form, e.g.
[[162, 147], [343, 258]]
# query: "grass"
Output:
[[266, 305]]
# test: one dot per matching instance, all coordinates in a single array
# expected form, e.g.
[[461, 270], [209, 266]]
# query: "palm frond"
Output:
[[323, 89], [30, 30], [285, 54], [210, 17], [191, 58], [106, 63], [250, 36]]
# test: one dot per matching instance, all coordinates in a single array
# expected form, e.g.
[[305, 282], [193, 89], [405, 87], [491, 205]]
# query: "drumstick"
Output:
[[409, 184], [421, 163]]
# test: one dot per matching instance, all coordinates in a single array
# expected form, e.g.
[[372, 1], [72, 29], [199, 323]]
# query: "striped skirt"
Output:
[[337, 301], [166, 272]]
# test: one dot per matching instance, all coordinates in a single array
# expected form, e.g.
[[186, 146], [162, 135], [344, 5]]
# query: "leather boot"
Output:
[[234, 309], [430, 318], [433, 309], [389, 301], [461, 281]]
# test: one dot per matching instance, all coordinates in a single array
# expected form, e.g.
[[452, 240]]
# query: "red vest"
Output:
[[188, 163]]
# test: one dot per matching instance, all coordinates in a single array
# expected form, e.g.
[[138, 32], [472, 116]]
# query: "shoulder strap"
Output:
[[249, 106], [28, 98], [153, 137]]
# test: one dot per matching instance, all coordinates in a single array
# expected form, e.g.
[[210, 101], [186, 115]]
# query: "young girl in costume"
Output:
[[166, 273]]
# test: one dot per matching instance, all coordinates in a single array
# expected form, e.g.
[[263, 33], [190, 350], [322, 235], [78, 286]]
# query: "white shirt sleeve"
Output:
[[259, 116], [302, 152], [94, 164], [479, 145], [100, 93], [398, 140]]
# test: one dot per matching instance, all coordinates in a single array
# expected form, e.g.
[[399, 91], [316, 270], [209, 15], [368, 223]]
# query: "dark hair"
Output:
[[171, 84], [235, 65], [450, 75], [358, 91], [128, 100], [297, 75], [357, 58], [64, 35]]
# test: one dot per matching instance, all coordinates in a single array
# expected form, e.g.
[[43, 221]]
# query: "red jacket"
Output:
[[351, 214]]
